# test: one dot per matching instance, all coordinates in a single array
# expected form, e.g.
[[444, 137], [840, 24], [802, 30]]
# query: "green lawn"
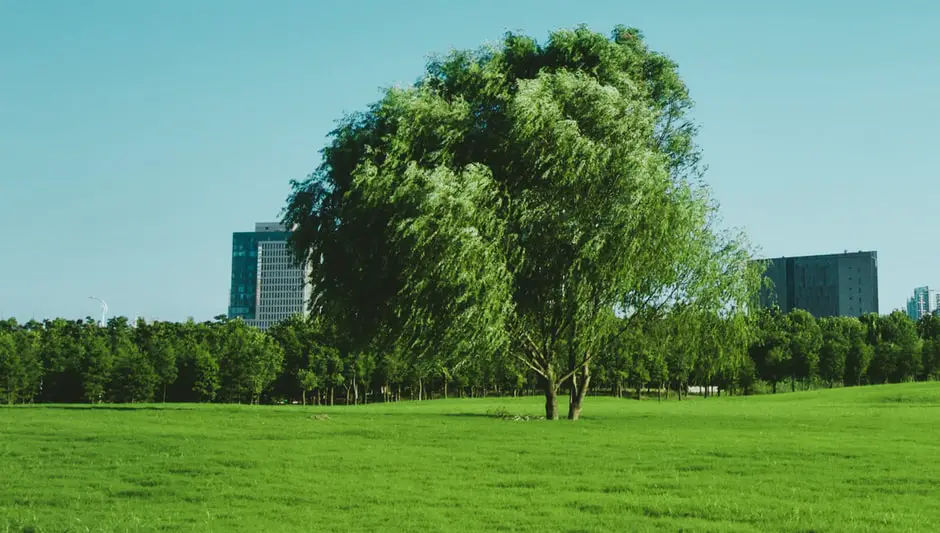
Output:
[[863, 459]]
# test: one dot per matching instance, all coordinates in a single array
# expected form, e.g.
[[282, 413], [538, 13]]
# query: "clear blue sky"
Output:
[[135, 137]]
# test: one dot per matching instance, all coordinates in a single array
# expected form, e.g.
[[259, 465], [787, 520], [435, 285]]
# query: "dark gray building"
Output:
[[825, 285]]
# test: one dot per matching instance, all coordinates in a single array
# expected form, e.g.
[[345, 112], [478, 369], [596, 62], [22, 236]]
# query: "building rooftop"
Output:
[[268, 226], [823, 256]]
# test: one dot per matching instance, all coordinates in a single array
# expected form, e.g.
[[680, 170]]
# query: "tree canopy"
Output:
[[540, 200]]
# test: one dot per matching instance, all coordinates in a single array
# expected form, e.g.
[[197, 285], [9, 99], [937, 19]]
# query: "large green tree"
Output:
[[512, 200]]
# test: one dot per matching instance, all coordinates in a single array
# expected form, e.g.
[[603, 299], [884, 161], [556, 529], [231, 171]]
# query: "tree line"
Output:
[[310, 360], [525, 217]]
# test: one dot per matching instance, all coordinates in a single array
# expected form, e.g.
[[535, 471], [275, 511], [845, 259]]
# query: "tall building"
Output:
[[267, 287], [825, 285], [920, 304]]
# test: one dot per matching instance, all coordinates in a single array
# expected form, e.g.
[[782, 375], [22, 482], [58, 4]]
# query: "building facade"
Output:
[[922, 303], [267, 287], [825, 285]]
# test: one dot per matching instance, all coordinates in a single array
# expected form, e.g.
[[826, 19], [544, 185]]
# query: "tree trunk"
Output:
[[303, 397], [659, 392], [331, 395], [551, 399], [420, 390], [445, 387], [580, 382], [355, 391], [679, 389], [164, 393], [774, 387]]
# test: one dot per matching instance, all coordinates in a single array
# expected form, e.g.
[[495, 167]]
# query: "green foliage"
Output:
[[97, 359], [805, 342], [513, 199], [133, 378], [207, 381], [156, 341], [771, 350], [12, 369], [249, 362], [897, 346], [836, 342]]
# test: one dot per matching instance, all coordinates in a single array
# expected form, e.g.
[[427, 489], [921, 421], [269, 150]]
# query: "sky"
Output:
[[135, 137]]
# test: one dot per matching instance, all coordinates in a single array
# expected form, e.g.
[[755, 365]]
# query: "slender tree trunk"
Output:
[[679, 389], [580, 382], [164, 393], [303, 397], [659, 392], [773, 387], [331, 395], [445, 387], [420, 389]]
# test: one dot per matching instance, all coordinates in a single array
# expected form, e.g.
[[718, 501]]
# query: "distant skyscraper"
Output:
[[920, 304], [825, 285], [267, 287]]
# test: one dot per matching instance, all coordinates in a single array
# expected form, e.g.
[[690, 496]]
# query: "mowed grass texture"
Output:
[[861, 459]]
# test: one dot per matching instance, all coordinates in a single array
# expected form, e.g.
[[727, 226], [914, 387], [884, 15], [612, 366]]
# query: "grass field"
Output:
[[863, 459]]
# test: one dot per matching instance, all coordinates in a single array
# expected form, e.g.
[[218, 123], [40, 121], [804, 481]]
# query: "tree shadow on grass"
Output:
[[113, 407], [498, 415]]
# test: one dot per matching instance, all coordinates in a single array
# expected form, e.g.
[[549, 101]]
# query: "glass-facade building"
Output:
[[267, 287], [921, 303], [824, 285]]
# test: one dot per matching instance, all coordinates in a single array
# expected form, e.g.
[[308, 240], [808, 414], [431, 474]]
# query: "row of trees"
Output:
[[525, 215], [80, 361], [873, 349], [311, 361]]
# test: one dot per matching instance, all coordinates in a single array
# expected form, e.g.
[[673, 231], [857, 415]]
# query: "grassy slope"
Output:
[[864, 459]]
